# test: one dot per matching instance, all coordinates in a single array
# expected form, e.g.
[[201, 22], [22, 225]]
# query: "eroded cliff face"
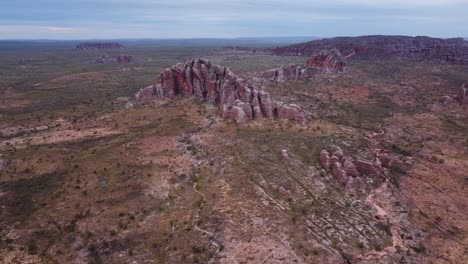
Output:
[[445, 51], [218, 85], [329, 60]]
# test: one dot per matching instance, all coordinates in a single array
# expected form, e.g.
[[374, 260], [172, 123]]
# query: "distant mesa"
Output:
[[99, 45], [446, 51], [237, 99]]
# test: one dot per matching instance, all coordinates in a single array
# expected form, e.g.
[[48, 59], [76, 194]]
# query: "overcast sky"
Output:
[[100, 19]]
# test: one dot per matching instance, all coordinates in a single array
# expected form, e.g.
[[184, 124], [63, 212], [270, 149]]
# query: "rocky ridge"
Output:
[[445, 51], [218, 85]]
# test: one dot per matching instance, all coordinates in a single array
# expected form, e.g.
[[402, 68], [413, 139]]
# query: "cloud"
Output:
[[214, 18], [59, 29]]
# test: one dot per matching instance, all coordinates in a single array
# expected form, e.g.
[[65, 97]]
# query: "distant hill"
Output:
[[452, 50], [264, 42]]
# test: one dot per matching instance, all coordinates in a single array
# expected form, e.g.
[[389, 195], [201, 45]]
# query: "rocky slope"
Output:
[[99, 45], [447, 51], [218, 85]]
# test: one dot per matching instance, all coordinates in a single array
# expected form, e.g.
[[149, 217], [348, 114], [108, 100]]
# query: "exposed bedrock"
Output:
[[287, 73], [462, 96], [218, 85], [329, 60], [350, 172]]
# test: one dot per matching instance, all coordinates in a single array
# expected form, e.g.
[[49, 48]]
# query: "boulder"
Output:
[[349, 167], [340, 174], [325, 159], [366, 167], [446, 100], [462, 96]]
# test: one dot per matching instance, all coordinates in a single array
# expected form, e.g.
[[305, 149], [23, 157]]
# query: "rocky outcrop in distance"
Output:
[[124, 59], [218, 85], [329, 60], [287, 73], [99, 45], [462, 96], [445, 51]]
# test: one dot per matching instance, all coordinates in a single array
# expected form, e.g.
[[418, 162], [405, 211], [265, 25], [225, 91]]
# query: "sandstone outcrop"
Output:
[[462, 96], [445, 51], [347, 171], [218, 85], [287, 73], [124, 59], [329, 60], [99, 45]]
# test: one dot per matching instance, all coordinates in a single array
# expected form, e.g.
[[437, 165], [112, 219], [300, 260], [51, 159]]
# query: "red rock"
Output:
[[366, 167], [325, 159], [124, 59], [361, 90], [355, 184], [340, 174], [292, 112], [349, 167], [218, 85], [329, 60], [285, 192], [446, 51], [334, 159], [462, 96]]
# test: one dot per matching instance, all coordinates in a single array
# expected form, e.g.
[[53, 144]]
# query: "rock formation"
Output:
[[218, 85], [124, 59], [347, 171], [286, 73], [329, 60], [462, 96], [99, 45], [446, 51], [350, 172]]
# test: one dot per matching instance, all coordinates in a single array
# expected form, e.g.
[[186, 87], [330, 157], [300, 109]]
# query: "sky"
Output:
[[117, 19]]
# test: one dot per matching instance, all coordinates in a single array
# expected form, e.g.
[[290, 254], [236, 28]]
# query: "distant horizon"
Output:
[[223, 38], [155, 19]]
